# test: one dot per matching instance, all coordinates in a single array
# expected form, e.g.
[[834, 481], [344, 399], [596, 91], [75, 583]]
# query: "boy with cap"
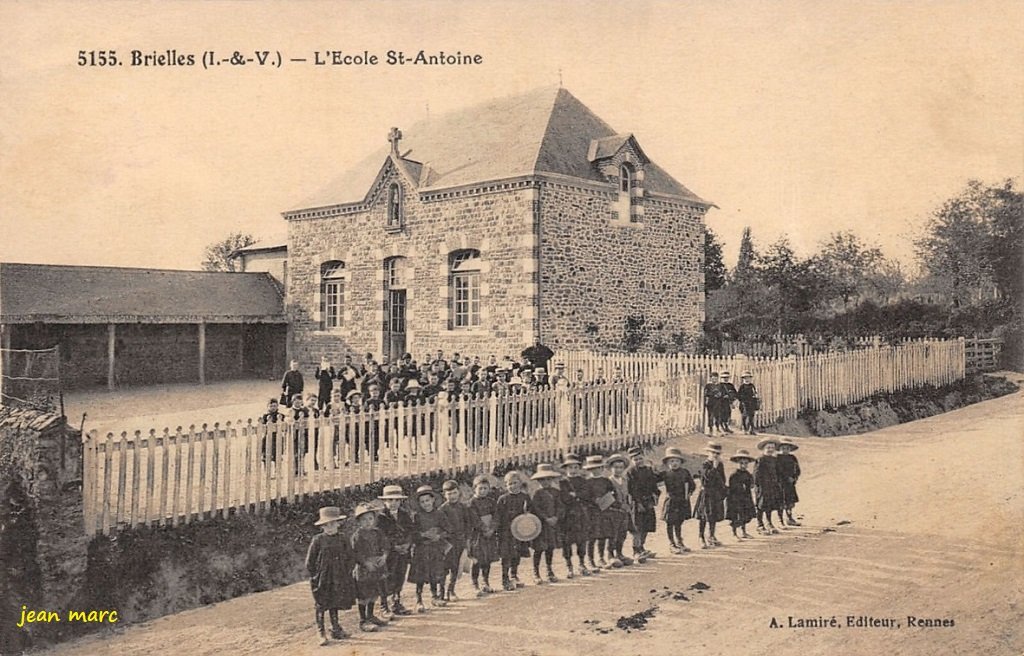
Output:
[[574, 527], [711, 500], [728, 396], [546, 505], [767, 489], [460, 521], [739, 504], [712, 402], [642, 483], [483, 541], [329, 562], [430, 548], [750, 402], [370, 548], [789, 471], [679, 486], [397, 525]]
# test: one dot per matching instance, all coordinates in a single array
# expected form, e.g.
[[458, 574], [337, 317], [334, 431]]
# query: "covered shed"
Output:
[[125, 326]]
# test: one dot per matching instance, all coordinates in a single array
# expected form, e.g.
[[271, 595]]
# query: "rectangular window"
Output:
[[333, 302], [466, 297]]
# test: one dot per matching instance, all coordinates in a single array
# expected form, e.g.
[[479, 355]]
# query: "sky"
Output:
[[797, 118]]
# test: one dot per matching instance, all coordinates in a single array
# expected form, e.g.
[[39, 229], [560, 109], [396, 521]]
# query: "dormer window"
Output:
[[395, 206], [625, 178], [627, 208]]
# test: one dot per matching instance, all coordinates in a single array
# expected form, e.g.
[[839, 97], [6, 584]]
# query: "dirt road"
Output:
[[922, 519]]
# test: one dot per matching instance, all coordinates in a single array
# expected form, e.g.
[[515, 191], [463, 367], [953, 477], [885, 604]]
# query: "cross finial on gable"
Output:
[[394, 137]]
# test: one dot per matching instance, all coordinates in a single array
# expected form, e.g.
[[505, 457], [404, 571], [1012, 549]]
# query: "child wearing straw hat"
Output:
[[396, 523], [430, 548], [546, 505], [739, 504], [460, 519], [679, 486], [750, 402], [711, 500], [789, 471], [483, 540], [329, 562], [370, 547], [575, 524], [510, 505], [767, 490]]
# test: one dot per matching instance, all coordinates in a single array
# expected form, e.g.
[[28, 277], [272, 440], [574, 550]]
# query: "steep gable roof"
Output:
[[546, 130], [93, 294]]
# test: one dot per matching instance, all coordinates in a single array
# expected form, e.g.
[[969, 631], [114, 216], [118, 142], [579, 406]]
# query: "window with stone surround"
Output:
[[464, 289], [332, 294], [627, 174], [394, 206]]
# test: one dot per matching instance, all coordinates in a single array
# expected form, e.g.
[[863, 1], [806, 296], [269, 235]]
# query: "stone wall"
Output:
[[596, 271], [498, 223]]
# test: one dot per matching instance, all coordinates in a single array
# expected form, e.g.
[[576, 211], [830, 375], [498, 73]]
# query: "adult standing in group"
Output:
[[538, 355], [291, 384], [325, 375]]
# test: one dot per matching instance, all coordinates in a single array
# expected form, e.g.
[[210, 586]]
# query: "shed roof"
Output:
[[96, 294], [546, 130]]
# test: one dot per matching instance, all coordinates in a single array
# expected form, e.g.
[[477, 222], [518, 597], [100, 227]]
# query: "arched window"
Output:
[[625, 178], [464, 274], [332, 294], [394, 205]]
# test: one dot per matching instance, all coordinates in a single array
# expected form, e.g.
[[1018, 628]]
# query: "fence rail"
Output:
[[161, 478], [983, 353]]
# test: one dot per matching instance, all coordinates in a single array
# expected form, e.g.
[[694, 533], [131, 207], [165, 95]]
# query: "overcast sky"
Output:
[[799, 117]]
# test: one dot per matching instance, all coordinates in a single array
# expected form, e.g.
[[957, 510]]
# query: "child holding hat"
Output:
[[546, 505], [679, 486], [789, 471], [483, 541], [509, 506], [711, 499], [460, 520], [430, 548], [767, 490], [329, 562], [397, 525], [370, 547], [739, 504], [603, 524]]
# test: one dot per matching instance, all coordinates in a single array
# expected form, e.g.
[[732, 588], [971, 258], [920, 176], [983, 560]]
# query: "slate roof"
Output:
[[92, 294], [546, 130]]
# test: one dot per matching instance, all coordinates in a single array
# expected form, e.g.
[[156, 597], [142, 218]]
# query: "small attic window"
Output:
[[625, 178]]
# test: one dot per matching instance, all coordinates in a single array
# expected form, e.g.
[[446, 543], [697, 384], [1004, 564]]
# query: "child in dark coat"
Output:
[[679, 486], [398, 527], [574, 527], [788, 468], [728, 397], [712, 402], [510, 505], [546, 505], [370, 548], [739, 504], [430, 548], [483, 540], [329, 562], [767, 490], [750, 402], [711, 500], [460, 522]]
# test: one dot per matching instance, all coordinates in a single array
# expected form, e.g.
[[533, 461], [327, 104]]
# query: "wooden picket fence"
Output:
[[982, 353], [788, 385], [172, 477]]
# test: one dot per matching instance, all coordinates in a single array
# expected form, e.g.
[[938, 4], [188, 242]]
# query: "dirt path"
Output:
[[934, 510]]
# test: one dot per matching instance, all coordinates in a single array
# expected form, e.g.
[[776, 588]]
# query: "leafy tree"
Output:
[[794, 283], [747, 259], [218, 254], [851, 270], [714, 267]]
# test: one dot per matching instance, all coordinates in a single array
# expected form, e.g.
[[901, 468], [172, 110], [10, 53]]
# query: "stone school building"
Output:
[[526, 218]]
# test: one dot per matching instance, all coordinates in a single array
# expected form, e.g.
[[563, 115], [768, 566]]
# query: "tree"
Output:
[[218, 254], [974, 240], [747, 258], [714, 267], [795, 286], [847, 266]]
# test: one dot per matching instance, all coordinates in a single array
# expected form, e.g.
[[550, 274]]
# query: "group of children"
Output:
[[583, 508], [720, 395]]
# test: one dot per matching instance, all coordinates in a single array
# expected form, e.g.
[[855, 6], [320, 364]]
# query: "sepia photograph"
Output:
[[511, 327]]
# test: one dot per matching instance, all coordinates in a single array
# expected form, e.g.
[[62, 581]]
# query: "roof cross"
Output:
[[394, 136]]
